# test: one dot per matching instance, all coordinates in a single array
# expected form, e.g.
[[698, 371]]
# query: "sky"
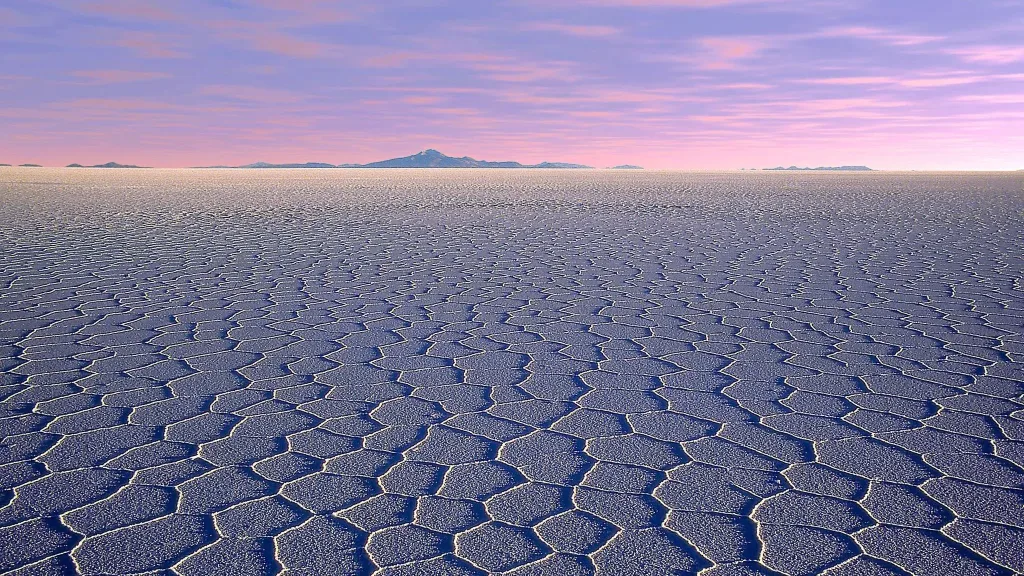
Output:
[[666, 84]]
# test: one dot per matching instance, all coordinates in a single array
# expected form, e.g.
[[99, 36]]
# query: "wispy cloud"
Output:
[[268, 37], [882, 35], [675, 82], [150, 44], [940, 81], [998, 55], [152, 11], [391, 59], [725, 53], [118, 76], [252, 94], [672, 3], [1013, 99], [310, 12], [937, 79], [421, 100], [586, 31], [850, 81], [525, 72]]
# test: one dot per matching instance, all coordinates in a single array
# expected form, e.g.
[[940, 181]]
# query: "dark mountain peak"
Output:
[[429, 158], [825, 169], [107, 165]]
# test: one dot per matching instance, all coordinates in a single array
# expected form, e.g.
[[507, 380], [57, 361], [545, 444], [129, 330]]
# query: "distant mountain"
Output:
[[560, 165], [828, 168], [434, 159], [270, 165], [425, 159], [4, 164], [31, 165], [107, 165], [306, 165], [626, 167]]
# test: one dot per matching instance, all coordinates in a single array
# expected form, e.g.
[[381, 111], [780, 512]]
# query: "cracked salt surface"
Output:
[[468, 372]]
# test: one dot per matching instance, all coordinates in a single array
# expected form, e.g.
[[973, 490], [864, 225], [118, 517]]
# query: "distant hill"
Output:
[[626, 167], [107, 165], [305, 165], [4, 164], [30, 165], [827, 168], [560, 165], [425, 159], [434, 159]]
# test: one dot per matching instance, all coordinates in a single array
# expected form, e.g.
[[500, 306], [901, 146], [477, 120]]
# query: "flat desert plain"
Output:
[[500, 371]]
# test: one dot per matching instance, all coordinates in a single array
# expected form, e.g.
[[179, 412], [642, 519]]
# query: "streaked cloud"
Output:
[[150, 45], [879, 35], [677, 83], [118, 76], [998, 55], [851, 81], [586, 31], [252, 94]]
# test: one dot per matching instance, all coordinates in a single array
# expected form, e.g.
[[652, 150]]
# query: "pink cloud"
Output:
[[593, 114], [419, 100], [265, 69], [744, 86], [252, 94], [587, 31], [939, 82], [391, 60], [149, 45], [724, 52], [400, 58], [286, 45], [455, 111], [124, 9], [10, 18], [994, 98], [670, 3], [308, 11], [877, 34], [990, 54], [851, 81], [923, 80], [118, 76], [509, 70], [270, 37]]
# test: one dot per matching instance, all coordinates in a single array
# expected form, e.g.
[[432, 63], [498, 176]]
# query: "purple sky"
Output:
[[894, 84]]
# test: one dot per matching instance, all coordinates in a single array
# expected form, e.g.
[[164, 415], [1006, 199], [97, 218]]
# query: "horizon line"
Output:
[[28, 165]]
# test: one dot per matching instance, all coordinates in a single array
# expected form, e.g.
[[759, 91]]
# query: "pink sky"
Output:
[[675, 84]]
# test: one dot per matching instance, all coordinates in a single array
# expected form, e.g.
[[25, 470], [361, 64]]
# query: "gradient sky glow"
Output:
[[893, 84]]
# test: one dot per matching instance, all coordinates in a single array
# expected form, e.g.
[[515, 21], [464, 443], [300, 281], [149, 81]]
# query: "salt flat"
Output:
[[532, 372]]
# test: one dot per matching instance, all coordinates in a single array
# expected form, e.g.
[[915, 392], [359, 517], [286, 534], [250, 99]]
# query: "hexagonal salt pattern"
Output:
[[520, 372]]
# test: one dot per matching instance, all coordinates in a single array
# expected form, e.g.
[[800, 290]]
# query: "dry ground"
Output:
[[538, 372]]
